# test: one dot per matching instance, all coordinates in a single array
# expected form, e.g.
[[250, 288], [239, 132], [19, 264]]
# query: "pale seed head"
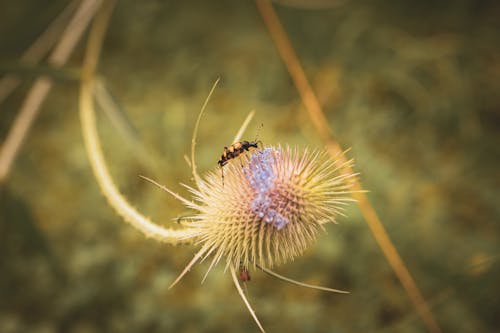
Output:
[[270, 207]]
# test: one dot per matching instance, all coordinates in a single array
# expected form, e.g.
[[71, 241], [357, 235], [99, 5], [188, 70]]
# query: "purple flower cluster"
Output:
[[267, 202]]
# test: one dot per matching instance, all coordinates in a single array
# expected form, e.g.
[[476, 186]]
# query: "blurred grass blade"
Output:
[[42, 86], [118, 118], [320, 122], [114, 112], [244, 126], [38, 49], [23, 71]]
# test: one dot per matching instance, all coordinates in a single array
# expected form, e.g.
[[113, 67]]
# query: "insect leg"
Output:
[[182, 218], [222, 175]]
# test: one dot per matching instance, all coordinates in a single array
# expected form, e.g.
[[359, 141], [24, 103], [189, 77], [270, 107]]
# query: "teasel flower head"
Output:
[[270, 207]]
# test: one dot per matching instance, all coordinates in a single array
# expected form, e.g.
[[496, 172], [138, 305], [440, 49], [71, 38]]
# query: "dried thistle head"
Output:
[[267, 211], [270, 209], [271, 206]]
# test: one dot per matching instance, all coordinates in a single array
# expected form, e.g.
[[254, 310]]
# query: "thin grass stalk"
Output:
[[93, 146], [42, 86], [38, 49], [320, 122], [244, 126]]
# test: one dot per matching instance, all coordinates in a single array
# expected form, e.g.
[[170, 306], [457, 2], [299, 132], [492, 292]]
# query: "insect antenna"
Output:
[[257, 135], [181, 218], [222, 174]]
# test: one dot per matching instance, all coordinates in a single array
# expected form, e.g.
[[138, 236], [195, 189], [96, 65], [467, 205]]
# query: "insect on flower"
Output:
[[279, 199], [234, 151], [244, 274]]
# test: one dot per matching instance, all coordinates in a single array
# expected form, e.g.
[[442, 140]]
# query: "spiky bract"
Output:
[[270, 207]]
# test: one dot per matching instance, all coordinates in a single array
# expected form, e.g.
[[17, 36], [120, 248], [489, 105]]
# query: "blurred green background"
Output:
[[411, 87]]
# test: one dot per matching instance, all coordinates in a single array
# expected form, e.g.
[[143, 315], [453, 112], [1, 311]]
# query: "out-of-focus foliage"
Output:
[[413, 89]]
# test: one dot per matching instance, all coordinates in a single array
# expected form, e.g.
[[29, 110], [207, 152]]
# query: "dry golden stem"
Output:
[[319, 120], [92, 143], [42, 86]]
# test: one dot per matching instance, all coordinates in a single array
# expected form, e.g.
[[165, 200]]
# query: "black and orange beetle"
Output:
[[234, 151]]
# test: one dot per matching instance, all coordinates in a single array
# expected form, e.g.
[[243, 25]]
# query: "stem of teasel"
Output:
[[310, 101], [93, 146]]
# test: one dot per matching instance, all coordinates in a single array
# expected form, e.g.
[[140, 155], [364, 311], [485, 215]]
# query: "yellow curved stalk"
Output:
[[93, 146]]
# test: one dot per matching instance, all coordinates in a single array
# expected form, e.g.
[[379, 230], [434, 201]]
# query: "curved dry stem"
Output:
[[298, 283], [313, 107], [196, 177], [244, 126], [93, 146], [245, 300]]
